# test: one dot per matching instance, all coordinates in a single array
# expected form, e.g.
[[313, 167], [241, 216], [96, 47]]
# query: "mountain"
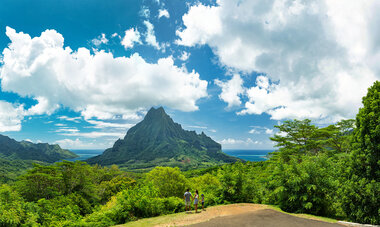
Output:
[[158, 140], [10, 148]]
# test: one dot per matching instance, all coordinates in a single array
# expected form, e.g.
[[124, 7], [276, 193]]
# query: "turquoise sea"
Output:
[[248, 155]]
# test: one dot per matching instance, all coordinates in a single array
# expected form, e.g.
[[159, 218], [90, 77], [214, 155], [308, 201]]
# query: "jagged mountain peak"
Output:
[[158, 114], [158, 140]]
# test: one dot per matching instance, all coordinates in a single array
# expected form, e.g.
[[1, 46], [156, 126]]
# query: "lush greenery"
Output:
[[10, 169], [328, 171], [158, 140], [24, 150]]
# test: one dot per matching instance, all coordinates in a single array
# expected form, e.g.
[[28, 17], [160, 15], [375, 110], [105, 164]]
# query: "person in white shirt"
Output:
[[187, 197]]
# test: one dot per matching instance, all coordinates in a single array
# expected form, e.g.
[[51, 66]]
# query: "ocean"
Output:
[[248, 155], [85, 154]]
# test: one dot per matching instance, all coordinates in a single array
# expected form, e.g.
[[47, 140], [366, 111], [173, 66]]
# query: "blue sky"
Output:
[[81, 73]]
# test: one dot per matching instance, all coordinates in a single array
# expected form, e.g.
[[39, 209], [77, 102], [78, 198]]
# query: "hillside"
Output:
[[12, 149], [158, 140]]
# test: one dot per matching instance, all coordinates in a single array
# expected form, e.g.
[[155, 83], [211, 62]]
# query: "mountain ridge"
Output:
[[158, 140], [25, 150]]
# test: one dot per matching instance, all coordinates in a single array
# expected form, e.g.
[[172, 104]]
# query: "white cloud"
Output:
[[231, 90], [131, 37], [254, 131], [95, 134], [260, 130], [114, 35], [76, 144], [60, 125], [96, 85], [10, 116], [100, 40], [231, 141], [150, 37], [202, 24], [185, 55], [269, 131], [163, 13], [321, 54], [73, 119], [67, 130], [103, 124]]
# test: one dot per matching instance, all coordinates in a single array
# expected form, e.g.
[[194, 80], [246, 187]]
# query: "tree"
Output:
[[297, 137], [169, 181], [41, 182], [365, 158], [337, 137]]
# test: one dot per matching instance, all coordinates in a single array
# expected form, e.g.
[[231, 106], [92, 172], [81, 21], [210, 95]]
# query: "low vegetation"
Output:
[[327, 171]]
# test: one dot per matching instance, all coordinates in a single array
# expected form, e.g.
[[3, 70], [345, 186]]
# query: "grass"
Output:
[[307, 216], [175, 218]]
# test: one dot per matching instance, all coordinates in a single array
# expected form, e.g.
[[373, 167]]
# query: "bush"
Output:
[[304, 187], [137, 202], [169, 181]]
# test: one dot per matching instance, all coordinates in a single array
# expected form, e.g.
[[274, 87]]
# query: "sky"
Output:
[[81, 73]]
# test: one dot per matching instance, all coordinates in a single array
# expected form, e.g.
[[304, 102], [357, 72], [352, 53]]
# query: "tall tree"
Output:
[[297, 137], [365, 157]]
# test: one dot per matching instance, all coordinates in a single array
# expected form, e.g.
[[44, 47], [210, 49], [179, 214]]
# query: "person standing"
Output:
[[196, 198], [188, 197], [203, 201]]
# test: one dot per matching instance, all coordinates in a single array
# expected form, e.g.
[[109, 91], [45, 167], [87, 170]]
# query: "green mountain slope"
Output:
[[12, 149], [158, 140]]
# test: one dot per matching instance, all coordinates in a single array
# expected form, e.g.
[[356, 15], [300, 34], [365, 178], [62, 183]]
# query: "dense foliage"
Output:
[[329, 171]]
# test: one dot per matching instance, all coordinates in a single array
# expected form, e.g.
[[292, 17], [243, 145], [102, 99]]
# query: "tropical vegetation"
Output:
[[328, 171]]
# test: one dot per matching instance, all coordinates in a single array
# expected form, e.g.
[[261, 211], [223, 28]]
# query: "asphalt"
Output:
[[263, 218]]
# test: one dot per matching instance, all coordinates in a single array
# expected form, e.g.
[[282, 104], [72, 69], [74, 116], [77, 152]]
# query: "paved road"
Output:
[[264, 218]]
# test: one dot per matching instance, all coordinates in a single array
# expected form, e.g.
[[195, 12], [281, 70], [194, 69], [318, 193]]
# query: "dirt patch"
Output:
[[214, 212], [263, 217]]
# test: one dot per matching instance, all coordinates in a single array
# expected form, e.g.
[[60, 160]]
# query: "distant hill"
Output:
[[12, 149], [158, 140]]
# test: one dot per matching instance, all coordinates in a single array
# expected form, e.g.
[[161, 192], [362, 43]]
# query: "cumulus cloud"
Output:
[[163, 13], [150, 37], [100, 40], [317, 58], [231, 90], [131, 37], [96, 85], [10, 116]]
